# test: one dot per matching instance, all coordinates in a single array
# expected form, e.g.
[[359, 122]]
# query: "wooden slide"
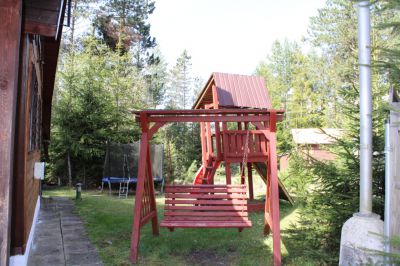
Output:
[[261, 168]]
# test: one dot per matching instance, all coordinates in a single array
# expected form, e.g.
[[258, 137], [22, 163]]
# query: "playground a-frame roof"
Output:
[[234, 91]]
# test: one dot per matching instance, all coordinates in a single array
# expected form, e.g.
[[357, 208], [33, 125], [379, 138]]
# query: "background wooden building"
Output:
[[30, 33], [313, 143]]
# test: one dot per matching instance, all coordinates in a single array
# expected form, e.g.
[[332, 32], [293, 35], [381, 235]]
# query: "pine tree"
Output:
[[295, 84], [278, 71], [156, 80], [180, 85], [389, 62], [92, 106], [182, 139], [123, 25]]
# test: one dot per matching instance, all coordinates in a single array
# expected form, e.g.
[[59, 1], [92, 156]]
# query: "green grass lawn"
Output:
[[108, 221]]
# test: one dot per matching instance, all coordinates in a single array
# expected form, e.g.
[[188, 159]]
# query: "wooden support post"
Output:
[[143, 212], [213, 171], [225, 141], [217, 124], [209, 140], [250, 180], [228, 173], [239, 143], [10, 34], [274, 191], [153, 130], [218, 140], [134, 250], [267, 214], [226, 150], [153, 205], [249, 142], [243, 176], [203, 144]]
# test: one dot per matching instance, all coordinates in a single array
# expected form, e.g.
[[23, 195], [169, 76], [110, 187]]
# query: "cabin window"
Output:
[[35, 114]]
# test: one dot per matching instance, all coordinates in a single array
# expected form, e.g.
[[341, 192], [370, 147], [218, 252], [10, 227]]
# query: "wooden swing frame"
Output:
[[264, 120]]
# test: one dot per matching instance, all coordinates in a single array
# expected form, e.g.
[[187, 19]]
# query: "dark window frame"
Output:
[[35, 113]]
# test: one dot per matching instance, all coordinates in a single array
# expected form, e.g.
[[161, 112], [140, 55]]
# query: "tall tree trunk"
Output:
[[169, 155], [84, 176], [72, 34], [69, 170]]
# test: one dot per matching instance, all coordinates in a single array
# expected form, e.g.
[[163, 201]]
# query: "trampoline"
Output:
[[121, 166]]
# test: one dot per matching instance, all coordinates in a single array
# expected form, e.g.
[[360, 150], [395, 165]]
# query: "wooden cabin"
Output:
[[30, 33]]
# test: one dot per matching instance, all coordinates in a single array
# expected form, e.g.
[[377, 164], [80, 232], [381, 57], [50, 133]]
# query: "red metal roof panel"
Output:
[[241, 91]]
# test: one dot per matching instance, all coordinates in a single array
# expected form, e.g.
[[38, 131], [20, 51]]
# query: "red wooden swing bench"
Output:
[[205, 206]]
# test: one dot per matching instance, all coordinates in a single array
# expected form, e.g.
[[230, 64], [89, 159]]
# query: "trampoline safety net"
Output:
[[121, 160]]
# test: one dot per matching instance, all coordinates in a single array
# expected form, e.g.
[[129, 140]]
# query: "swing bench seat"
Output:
[[205, 206]]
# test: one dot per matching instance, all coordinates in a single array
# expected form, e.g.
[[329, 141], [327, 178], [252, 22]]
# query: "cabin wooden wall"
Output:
[[10, 30], [31, 193], [26, 188]]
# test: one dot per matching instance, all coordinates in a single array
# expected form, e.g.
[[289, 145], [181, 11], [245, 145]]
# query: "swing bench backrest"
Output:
[[205, 206]]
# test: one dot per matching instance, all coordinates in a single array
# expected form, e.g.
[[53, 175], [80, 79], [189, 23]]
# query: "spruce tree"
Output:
[[123, 26], [333, 190], [181, 139]]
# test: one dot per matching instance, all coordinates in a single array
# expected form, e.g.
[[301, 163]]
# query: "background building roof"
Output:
[[316, 135]]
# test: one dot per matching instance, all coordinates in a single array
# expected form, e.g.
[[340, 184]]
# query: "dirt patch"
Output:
[[210, 257]]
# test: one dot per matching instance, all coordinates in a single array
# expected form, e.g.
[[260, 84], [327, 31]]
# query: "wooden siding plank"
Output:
[[10, 33], [40, 29], [17, 226]]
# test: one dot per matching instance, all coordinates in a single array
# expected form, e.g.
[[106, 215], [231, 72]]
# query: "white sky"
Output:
[[230, 36]]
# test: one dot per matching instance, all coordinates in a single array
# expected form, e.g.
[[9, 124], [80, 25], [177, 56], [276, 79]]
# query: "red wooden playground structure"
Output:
[[237, 125]]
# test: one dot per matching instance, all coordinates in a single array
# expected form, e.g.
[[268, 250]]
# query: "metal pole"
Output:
[[388, 184], [364, 55]]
